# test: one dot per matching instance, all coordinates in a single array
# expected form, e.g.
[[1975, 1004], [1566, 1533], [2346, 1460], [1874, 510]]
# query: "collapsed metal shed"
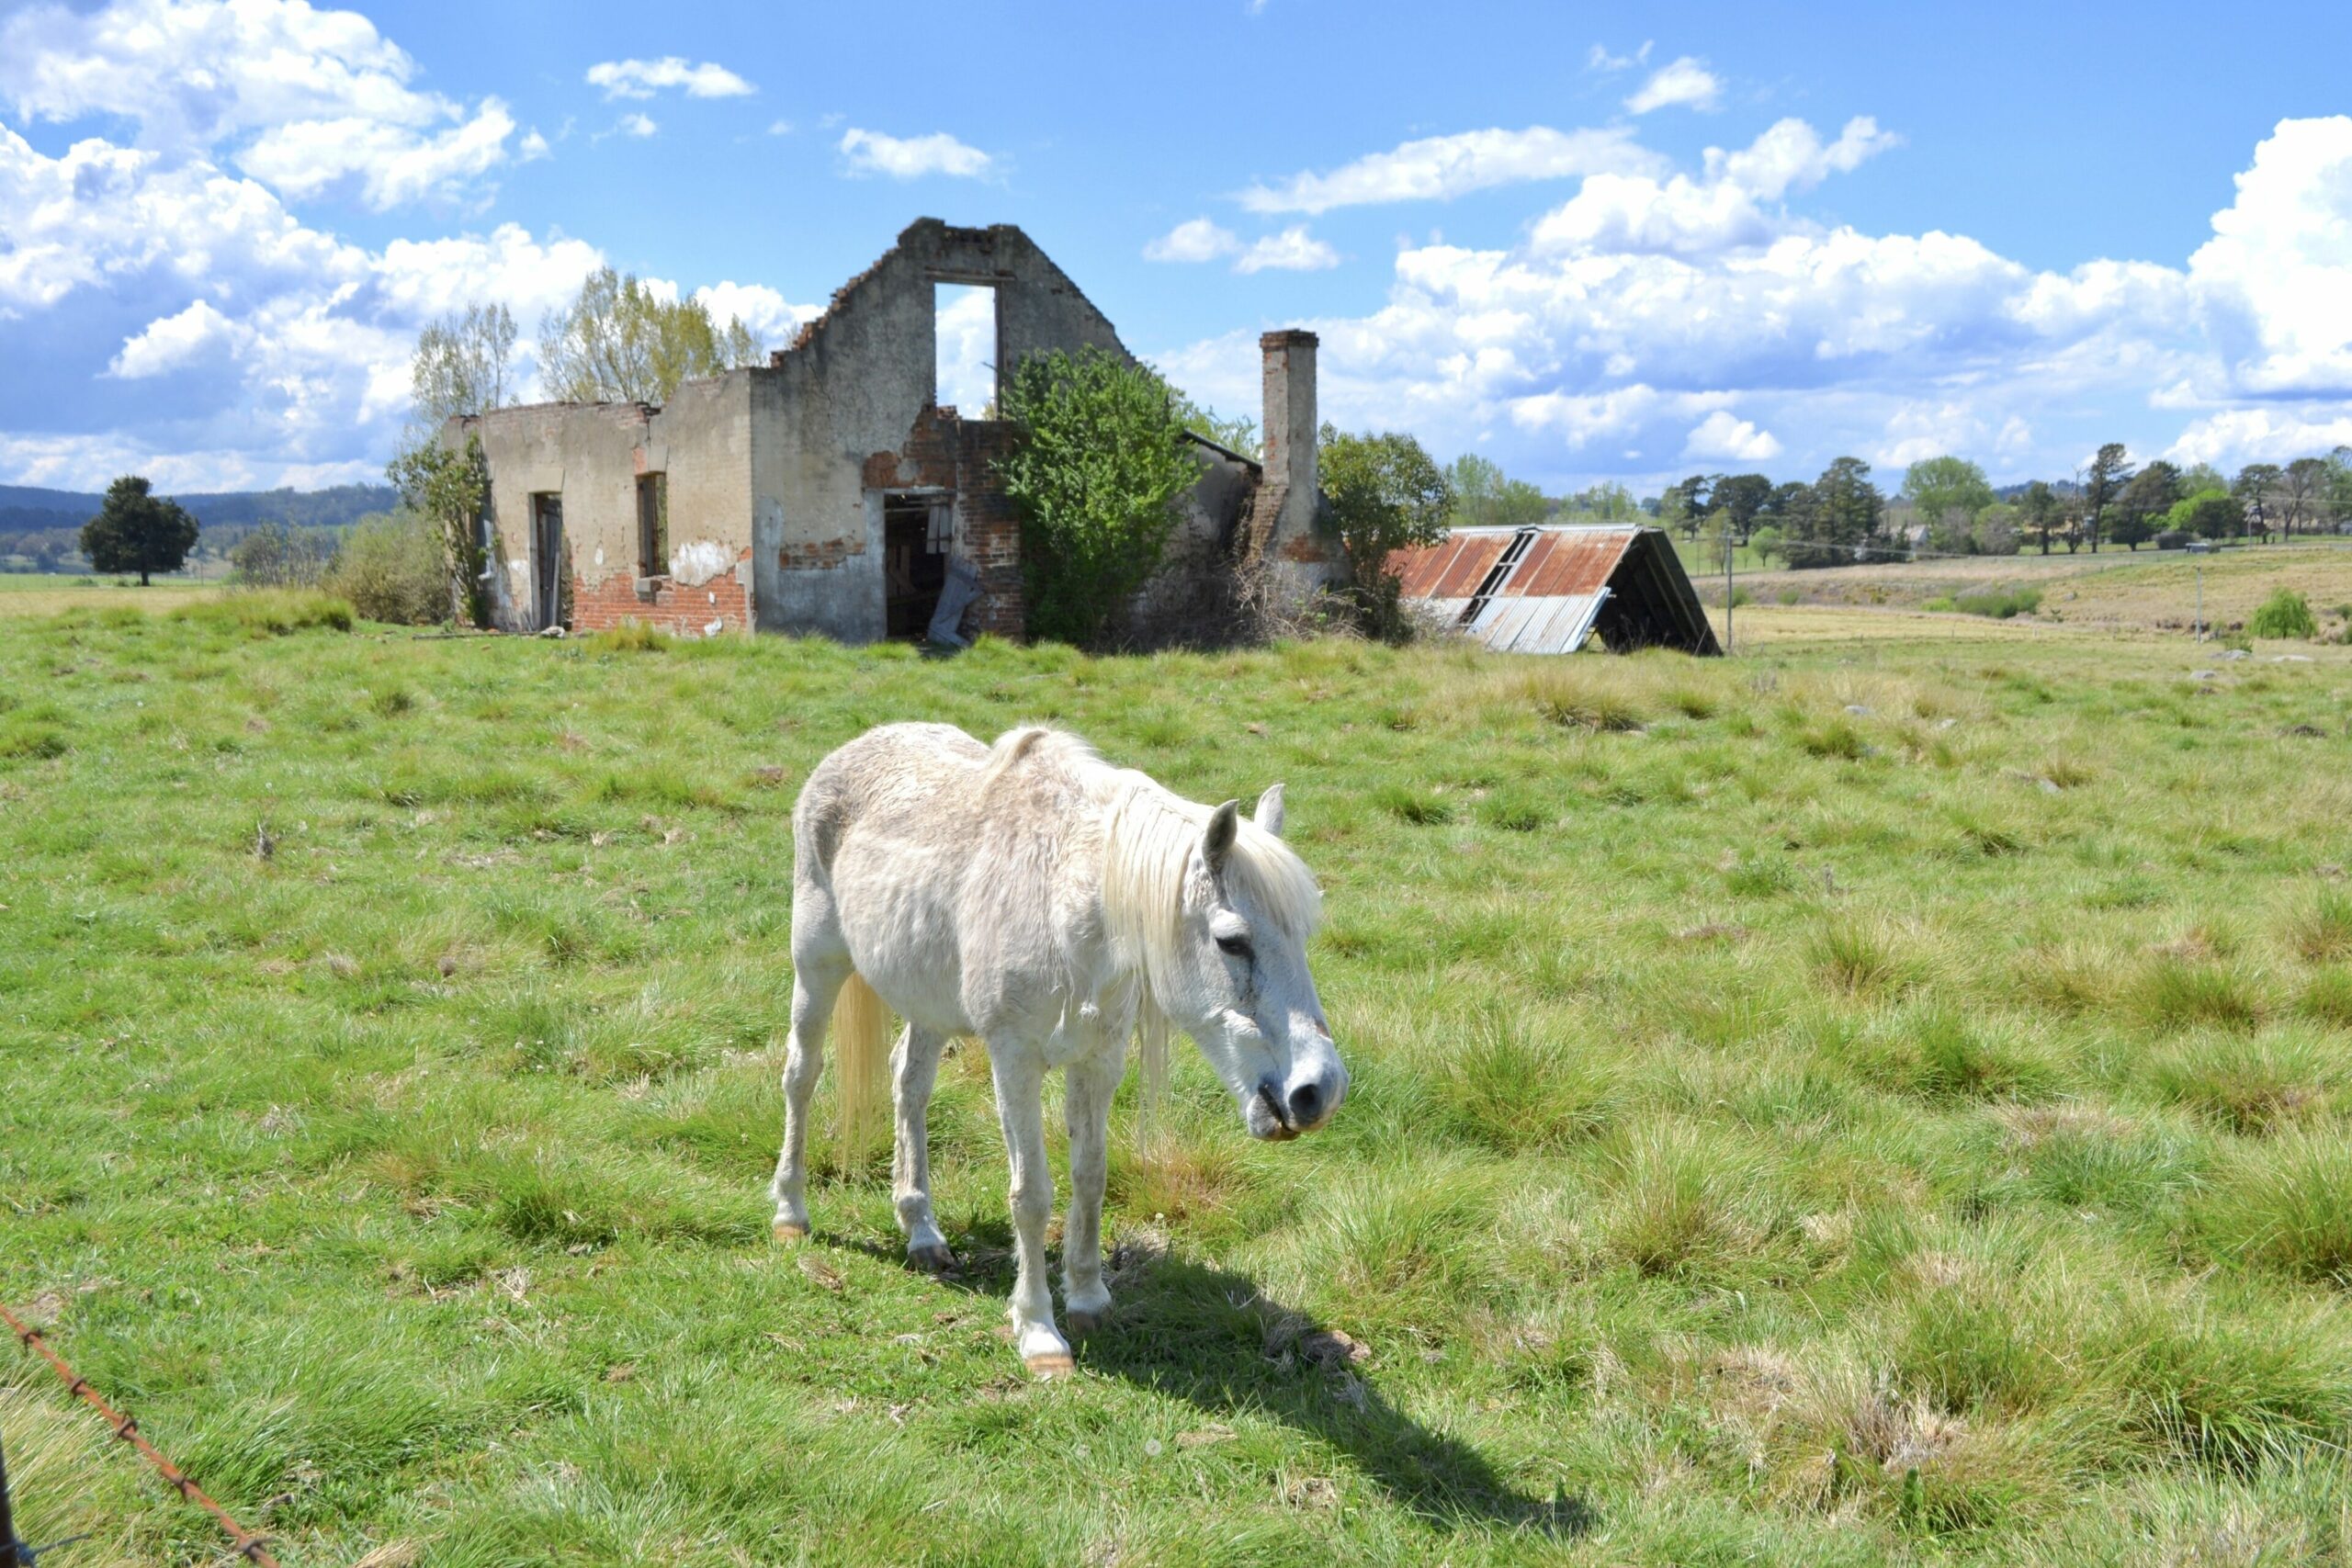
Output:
[[1547, 589]]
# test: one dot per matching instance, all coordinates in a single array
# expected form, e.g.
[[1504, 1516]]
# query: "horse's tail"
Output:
[[1151, 1041], [861, 1056]]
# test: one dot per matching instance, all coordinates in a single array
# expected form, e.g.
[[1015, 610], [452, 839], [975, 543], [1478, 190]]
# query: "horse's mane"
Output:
[[1148, 835], [1149, 838]]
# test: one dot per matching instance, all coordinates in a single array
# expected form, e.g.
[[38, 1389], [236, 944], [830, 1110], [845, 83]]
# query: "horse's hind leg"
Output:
[[816, 983], [914, 1068]]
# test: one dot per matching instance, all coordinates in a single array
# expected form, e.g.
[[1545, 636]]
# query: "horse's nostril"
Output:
[[1305, 1105]]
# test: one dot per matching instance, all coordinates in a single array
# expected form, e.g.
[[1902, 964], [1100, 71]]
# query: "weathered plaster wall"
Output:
[[585, 452], [838, 418], [592, 455]]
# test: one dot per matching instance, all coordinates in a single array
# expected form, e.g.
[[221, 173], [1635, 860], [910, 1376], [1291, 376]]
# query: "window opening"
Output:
[[654, 525], [963, 344]]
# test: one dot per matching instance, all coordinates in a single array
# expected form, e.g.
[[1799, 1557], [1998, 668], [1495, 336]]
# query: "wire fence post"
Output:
[[2200, 601], [1727, 593]]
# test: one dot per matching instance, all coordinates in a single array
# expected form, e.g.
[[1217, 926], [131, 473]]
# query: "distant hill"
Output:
[[45, 525], [303, 508]]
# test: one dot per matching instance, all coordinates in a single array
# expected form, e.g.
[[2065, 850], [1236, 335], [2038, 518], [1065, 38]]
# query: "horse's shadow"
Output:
[[1213, 1340]]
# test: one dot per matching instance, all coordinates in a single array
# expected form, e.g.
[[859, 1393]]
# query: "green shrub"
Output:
[[390, 571], [2284, 615], [1999, 605]]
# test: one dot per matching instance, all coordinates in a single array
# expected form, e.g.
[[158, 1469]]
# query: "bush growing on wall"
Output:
[[1096, 476]]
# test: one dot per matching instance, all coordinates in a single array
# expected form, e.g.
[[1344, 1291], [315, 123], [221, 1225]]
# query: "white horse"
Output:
[[1031, 895]]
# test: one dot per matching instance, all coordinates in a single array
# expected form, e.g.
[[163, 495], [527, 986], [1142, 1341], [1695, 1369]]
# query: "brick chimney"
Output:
[[1283, 536], [1290, 429]]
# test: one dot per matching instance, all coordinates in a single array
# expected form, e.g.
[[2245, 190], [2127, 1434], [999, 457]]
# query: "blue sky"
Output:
[[1588, 241]]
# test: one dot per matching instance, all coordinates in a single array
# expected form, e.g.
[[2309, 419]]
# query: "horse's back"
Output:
[[886, 773]]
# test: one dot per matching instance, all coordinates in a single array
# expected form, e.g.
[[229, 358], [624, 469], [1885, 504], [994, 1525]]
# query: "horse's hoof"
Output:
[[1082, 1323], [787, 1231], [1053, 1364], [933, 1259]]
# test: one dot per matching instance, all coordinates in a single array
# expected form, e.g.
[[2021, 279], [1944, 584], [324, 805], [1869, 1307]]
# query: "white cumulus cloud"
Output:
[[1194, 239], [643, 78], [773, 318], [1293, 250], [174, 343], [1440, 167], [1724, 437], [1685, 83], [911, 157], [306, 97]]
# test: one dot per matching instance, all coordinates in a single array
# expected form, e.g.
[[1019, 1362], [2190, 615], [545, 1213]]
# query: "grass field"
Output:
[[1866, 1101], [42, 593], [2117, 591]]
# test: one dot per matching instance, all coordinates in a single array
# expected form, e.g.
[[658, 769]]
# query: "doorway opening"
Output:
[[918, 531], [964, 348], [547, 561]]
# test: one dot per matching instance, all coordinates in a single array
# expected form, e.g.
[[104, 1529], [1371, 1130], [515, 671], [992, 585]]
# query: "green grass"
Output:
[[1863, 1103]]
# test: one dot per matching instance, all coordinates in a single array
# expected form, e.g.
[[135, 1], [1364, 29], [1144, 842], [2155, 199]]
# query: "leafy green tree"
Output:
[[1485, 497], [1948, 493], [1742, 498], [1767, 543], [2110, 471], [619, 341], [1787, 503], [1685, 505], [1847, 509], [463, 364], [2339, 485], [1386, 493], [1607, 502], [2145, 500], [139, 530], [2303, 494], [1995, 530], [2198, 478], [2255, 484], [2039, 511], [2210, 514], [1096, 475]]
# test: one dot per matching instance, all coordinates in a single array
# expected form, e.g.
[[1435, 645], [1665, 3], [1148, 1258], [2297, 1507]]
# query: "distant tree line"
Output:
[[1944, 506]]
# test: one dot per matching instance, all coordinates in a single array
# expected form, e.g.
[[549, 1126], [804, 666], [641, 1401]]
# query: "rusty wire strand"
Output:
[[243, 1543]]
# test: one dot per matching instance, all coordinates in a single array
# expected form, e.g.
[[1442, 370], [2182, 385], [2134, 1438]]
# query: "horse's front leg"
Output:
[[1019, 1074], [915, 1068], [1093, 1081]]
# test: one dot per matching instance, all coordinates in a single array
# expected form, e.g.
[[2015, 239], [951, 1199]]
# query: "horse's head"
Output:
[[1240, 986]]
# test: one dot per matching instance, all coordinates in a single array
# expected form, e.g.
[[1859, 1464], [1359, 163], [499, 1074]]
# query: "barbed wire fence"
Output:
[[15, 1553]]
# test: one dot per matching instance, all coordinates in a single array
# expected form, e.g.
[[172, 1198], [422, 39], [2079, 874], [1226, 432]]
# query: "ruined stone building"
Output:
[[827, 492]]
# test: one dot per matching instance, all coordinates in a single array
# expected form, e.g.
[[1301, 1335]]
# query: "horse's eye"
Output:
[[1238, 946]]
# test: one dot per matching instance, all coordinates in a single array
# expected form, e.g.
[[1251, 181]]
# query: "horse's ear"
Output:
[[1225, 825], [1269, 814]]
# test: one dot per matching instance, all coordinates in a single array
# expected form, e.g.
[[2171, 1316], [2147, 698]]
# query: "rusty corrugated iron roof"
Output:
[[1545, 589]]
